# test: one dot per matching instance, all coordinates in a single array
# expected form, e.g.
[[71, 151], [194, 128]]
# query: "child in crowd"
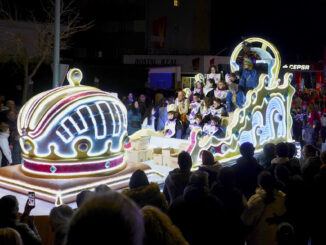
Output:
[[213, 128], [217, 109], [199, 80], [173, 126], [194, 108], [221, 91]]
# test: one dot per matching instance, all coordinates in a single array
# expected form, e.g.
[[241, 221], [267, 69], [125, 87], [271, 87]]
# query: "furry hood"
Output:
[[280, 160]]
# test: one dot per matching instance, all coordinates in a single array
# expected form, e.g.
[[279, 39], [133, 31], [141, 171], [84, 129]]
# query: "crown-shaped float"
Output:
[[72, 130]]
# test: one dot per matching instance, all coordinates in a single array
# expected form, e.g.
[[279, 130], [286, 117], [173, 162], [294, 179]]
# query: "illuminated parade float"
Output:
[[264, 118], [75, 137], [72, 138]]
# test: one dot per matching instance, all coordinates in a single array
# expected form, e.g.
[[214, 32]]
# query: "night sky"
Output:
[[297, 28]]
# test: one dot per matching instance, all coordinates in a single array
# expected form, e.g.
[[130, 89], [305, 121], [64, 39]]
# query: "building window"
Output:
[[176, 3]]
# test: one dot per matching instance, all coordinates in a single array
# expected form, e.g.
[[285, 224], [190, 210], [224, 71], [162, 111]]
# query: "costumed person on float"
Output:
[[182, 104], [213, 128], [209, 88], [212, 74], [199, 81], [221, 91], [217, 109], [194, 107], [235, 98], [173, 126], [248, 79], [247, 53], [198, 123]]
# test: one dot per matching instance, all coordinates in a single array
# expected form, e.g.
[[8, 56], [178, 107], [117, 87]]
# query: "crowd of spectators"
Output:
[[211, 98], [274, 198]]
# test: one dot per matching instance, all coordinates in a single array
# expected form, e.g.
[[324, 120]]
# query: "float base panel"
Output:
[[64, 190]]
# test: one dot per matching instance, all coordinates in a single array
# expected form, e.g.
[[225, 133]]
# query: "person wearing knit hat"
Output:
[[173, 126]]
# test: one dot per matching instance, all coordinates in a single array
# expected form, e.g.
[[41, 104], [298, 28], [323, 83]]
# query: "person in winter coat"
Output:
[[134, 118], [149, 120], [246, 170], [159, 229], [233, 205], [25, 226], [178, 178], [196, 211], [162, 115], [248, 79], [145, 193], [5, 152], [234, 98], [263, 212], [210, 166]]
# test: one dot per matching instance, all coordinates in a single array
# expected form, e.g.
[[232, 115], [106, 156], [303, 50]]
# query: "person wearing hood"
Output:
[[210, 166], [178, 178], [246, 170], [144, 193], [263, 212], [196, 210], [5, 152]]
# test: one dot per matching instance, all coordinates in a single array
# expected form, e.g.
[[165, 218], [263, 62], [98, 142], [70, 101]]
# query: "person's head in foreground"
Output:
[[9, 236], [184, 161], [60, 216], [267, 183], [8, 210], [159, 229], [109, 218], [138, 179], [247, 149]]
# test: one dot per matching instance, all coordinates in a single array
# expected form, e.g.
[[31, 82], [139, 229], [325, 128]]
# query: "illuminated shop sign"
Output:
[[297, 67]]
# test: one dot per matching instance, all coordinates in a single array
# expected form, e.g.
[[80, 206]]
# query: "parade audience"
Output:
[[210, 166], [204, 225], [159, 229], [134, 118], [246, 170], [24, 226], [263, 210], [144, 193], [178, 178], [110, 217]]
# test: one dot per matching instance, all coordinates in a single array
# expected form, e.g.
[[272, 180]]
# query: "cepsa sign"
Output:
[[297, 67]]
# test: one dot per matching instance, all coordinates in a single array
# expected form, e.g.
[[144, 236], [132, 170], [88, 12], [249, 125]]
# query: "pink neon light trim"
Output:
[[67, 168]]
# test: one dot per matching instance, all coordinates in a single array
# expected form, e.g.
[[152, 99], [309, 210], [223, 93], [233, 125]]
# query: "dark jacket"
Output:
[[28, 234], [148, 195], [175, 183], [233, 205], [198, 214], [246, 172], [212, 171]]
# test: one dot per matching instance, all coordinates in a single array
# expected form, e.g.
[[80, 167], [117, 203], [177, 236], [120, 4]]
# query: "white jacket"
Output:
[[4, 147]]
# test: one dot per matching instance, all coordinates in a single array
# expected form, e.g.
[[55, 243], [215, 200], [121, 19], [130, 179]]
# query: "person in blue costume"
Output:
[[234, 98], [248, 79]]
